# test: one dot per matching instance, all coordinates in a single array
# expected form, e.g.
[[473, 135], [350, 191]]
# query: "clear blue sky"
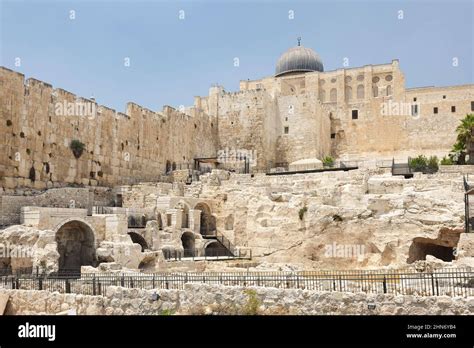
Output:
[[173, 60]]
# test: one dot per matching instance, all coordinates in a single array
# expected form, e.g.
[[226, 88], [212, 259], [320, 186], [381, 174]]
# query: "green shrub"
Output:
[[328, 161], [433, 164], [253, 303], [167, 312], [77, 148], [418, 164], [424, 164], [447, 161], [302, 212]]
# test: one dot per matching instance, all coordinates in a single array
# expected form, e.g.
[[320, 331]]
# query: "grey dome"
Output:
[[298, 59]]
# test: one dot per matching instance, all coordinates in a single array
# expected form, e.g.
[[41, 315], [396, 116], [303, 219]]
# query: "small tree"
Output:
[[77, 148], [465, 140]]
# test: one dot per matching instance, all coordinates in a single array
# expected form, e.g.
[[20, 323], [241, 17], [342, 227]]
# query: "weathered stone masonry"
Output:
[[119, 147], [212, 299]]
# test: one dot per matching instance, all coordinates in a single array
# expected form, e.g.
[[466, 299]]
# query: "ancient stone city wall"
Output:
[[214, 299], [38, 124]]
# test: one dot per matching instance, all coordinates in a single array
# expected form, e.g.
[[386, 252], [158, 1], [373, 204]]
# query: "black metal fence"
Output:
[[454, 282], [208, 253]]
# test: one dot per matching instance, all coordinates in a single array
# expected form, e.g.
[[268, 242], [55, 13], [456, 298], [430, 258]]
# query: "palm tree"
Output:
[[465, 140]]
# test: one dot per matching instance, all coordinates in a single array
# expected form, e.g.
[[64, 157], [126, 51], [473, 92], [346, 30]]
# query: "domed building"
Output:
[[302, 114], [298, 59]]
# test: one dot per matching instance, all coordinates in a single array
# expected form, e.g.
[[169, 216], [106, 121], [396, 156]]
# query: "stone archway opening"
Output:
[[420, 249], [208, 222], [138, 239], [216, 249], [442, 247], [76, 247], [188, 242]]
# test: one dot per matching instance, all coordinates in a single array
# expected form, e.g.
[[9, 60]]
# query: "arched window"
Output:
[[360, 92], [376, 91], [333, 95], [389, 90], [348, 93]]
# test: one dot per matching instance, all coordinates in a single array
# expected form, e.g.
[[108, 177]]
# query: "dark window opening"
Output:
[[453, 108], [118, 200], [435, 110], [32, 174], [355, 114], [414, 99], [444, 97], [286, 130], [472, 106], [333, 135]]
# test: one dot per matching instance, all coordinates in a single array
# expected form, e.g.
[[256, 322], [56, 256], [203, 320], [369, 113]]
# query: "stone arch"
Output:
[[389, 90], [75, 240], [420, 248], [138, 239], [348, 93], [188, 243], [208, 222], [360, 92], [442, 247], [212, 248], [215, 248], [333, 95]]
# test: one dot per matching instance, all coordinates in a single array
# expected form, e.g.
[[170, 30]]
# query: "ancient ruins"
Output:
[[238, 182]]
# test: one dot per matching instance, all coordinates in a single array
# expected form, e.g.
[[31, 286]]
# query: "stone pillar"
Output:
[[176, 216], [155, 240], [195, 220]]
